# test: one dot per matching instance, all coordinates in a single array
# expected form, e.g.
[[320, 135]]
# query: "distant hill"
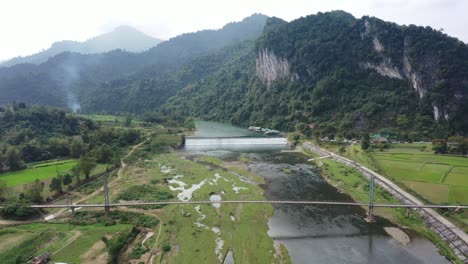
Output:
[[123, 37], [68, 79]]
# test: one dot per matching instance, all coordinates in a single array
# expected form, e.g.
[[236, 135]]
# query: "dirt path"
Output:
[[161, 223], [100, 190], [123, 165]]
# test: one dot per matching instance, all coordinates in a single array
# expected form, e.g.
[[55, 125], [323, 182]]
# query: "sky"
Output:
[[29, 26]]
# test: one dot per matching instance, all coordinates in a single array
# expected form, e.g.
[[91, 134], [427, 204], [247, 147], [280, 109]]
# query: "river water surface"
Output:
[[315, 234]]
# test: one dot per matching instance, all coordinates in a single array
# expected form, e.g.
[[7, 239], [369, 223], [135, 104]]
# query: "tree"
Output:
[[77, 147], [190, 123], [105, 154], [439, 146], [87, 165], [17, 209], [56, 184], [12, 159], [76, 171], [34, 191], [67, 179], [128, 121], [3, 190], [365, 143], [301, 127]]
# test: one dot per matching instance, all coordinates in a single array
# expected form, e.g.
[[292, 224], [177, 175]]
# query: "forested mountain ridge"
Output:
[[344, 74], [68, 78], [122, 37]]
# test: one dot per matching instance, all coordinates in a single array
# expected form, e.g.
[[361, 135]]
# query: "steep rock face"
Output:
[[385, 68], [422, 81], [270, 68]]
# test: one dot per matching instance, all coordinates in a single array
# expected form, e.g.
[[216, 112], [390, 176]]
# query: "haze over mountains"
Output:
[[344, 74], [122, 37]]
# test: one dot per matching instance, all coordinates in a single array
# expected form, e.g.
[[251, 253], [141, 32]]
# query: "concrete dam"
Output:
[[233, 143]]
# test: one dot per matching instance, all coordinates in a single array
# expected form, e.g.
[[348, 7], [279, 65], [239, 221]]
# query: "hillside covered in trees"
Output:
[[344, 75], [38, 133]]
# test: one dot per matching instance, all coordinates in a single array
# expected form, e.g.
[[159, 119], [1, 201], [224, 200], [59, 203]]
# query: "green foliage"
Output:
[[77, 147], [118, 242], [439, 146], [328, 84], [145, 193], [128, 121], [34, 191], [365, 143], [3, 189], [67, 179], [138, 251], [114, 217], [86, 165], [166, 247], [17, 209], [12, 159], [56, 184], [21, 252]]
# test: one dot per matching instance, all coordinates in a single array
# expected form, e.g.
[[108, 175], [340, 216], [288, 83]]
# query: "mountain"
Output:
[[67, 79], [123, 37], [345, 75]]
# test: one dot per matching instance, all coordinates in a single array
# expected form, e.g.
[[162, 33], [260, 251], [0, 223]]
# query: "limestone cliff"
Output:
[[270, 68]]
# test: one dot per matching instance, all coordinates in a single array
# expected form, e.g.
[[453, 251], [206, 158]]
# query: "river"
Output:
[[315, 234]]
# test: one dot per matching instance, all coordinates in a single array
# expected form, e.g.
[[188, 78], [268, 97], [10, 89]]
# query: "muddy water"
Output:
[[320, 234]]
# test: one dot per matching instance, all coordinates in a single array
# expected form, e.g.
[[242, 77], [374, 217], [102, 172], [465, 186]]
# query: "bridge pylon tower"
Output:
[[370, 214], [106, 195]]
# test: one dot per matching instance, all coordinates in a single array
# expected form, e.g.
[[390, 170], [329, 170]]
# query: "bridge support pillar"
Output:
[[106, 195], [408, 212], [370, 214]]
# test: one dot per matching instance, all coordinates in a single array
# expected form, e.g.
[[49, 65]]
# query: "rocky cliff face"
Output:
[[270, 68], [422, 82]]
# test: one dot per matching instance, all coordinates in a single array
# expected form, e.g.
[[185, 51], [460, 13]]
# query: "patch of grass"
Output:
[[411, 171], [246, 236], [458, 176], [458, 194], [113, 218], [50, 237], [42, 172], [211, 160], [437, 193], [146, 193]]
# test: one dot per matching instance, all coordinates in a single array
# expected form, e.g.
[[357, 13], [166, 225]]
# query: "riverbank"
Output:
[[338, 171]]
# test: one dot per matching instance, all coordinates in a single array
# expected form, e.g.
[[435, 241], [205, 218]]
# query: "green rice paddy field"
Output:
[[42, 171], [438, 178]]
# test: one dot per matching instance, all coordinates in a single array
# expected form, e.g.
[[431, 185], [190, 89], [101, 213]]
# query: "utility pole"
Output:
[[106, 195], [370, 214]]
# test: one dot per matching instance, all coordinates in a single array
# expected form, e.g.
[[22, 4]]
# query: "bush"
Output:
[[17, 209], [166, 247]]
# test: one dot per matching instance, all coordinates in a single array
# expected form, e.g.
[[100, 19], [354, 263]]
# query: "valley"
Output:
[[328, 138]]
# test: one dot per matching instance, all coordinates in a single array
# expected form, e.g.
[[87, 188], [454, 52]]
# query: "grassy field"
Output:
[[350, 181], [68, 243], [110, 119], [41, 171], [438, 178], [192, 230]]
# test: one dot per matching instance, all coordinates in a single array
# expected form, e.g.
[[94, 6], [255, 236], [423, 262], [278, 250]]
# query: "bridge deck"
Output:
[[333, 203]]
